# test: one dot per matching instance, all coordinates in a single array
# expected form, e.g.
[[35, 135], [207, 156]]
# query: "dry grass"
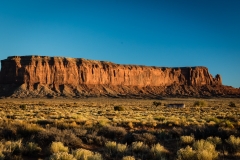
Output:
[[133, 132]]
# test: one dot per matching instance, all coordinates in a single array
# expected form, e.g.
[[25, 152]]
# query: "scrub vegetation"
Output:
[[121, 129]]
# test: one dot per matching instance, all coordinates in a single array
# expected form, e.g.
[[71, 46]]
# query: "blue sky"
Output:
[[170, 33]]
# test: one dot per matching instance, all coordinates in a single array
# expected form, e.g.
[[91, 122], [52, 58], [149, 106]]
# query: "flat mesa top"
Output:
[[37, 57]]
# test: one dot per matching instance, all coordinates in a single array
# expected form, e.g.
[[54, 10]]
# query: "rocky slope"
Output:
[[37, 76]]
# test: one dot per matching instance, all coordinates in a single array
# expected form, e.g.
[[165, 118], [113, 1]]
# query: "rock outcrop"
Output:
[[53, 76]]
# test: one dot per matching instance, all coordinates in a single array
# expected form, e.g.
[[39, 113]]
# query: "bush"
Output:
[[186, 140], [10, 147], [234, 144], [27, 129], [119, 108], [139, 147], [95, 156], [113, 132], [186, 154], [61, 156], [205, 150], [53, 134], [200, 104], [68, 137], [202, 150], [111, 146], [229, 124], [84, 154], [121, 148], [32, 148], [58, 147], [128, 158], [23, 106], [79, 132], [158, 151], [147, 138], [232, 104], [214, 140], [155, 103]]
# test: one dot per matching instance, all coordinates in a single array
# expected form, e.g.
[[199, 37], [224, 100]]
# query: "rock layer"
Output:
[[42, 75]]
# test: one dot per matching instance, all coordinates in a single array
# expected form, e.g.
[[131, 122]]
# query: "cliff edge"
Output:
[[39, 76]]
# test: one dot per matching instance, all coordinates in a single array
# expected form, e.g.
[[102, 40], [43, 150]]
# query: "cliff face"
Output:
[[79, 76], [56, 70]]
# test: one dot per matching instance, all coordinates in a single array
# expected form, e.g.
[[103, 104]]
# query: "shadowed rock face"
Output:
[[69, 76]]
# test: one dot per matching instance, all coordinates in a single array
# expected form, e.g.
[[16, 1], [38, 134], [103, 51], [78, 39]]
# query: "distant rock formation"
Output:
[[38, 76]]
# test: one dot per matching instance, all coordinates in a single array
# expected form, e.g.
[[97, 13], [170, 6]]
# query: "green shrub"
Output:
[[32, 148], [215, 119], [111, 146], [128, 158], [158, 151], [187, 140], [214, 140], [229, 124], [139, 147], [84, 154], [186, 154], [121, 148], [119, 108], [147, 138], [10, 147], [95, 156], [58, 147], [27, 129], [61, 156], [205, 155], [202, 150], [234, 144], [205, 150]]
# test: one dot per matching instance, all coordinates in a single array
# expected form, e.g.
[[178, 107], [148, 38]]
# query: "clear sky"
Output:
[[170, 33]]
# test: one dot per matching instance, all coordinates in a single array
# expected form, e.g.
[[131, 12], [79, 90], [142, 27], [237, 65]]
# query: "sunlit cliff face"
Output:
[[56, 76], [59, 70]]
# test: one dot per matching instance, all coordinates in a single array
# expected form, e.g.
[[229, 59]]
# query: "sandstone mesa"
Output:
[[40, 76]]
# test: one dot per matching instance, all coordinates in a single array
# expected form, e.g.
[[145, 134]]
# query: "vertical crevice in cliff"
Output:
[[82, 76], [188, 76], [65, 62], [114, 73], [92, 69]]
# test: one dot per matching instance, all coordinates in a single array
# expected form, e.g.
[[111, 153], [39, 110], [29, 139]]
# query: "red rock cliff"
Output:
[[57, 72]]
